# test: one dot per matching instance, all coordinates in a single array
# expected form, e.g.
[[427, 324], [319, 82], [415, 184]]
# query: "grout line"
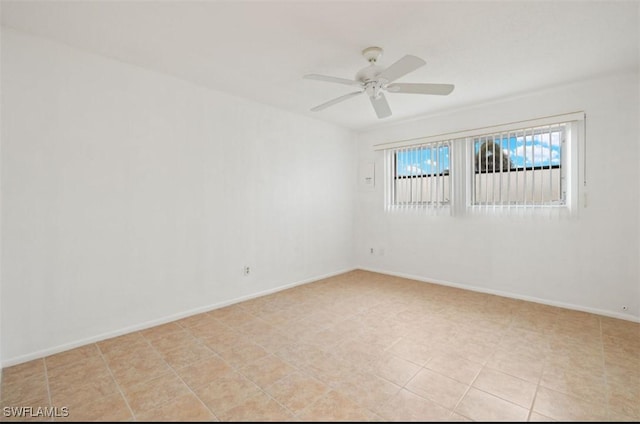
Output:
[[604, 370], [262, 390], [184, 382], [46, 379], [511, 326], [194, 393], [126, 401], [535, 395], [453, 410], [233, 368], [178, 375]]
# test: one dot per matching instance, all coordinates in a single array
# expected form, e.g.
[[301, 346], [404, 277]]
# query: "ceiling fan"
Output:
[[374, 80]]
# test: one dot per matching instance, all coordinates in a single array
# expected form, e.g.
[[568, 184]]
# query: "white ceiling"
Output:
[[260, 50]]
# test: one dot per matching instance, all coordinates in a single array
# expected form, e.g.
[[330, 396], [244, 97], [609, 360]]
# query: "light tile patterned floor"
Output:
[[356, 347]]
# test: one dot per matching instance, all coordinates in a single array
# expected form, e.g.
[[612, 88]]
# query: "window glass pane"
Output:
[[422, 161], [519, 168], [421, 176], [518, 151]]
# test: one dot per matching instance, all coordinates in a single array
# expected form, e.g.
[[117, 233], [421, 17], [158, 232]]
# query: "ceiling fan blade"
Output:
[[336, 100], [331, 79], [402, 67], [439, 89], [381, 106]]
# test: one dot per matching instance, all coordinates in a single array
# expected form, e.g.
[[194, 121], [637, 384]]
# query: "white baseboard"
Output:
[[507, 294], [143, 326]]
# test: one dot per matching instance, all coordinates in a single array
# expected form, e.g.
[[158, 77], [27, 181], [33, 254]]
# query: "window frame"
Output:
[[564, 178], [461, 168], [433, 146], [392, 176]]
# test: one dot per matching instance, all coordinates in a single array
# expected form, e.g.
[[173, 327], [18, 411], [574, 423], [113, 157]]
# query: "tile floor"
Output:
[[356, 347]]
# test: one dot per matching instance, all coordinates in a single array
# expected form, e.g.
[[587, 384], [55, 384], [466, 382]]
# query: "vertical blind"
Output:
[[521, 165], [519, 168], [421, 176]]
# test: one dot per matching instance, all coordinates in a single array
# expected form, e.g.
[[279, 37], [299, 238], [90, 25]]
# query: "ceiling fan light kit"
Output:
[[374, 80]]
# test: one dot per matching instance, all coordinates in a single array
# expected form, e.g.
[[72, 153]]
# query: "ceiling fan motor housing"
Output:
[[373, 88], [368, 76], [369, 73]]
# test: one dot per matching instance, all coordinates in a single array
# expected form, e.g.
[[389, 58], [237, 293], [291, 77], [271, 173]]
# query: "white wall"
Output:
[[588, 263], [0, 226], [130, 197]]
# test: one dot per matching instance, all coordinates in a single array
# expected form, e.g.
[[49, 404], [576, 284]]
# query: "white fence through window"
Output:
[[519, 168], [421, 176]]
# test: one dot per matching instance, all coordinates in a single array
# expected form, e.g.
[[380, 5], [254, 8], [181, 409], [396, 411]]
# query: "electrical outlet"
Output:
[[246, 270], [371, 250]]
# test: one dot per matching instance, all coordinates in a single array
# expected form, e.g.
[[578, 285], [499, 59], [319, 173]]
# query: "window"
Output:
[[521, 167], [421, 175], [529, 165]]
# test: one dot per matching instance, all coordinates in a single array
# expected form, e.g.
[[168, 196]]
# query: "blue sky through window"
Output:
[[524, 151], [530, 150], [426, 160]]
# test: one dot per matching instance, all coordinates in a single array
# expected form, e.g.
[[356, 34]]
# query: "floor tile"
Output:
[[31, 411], [525, 365], [226, 392], [624, 398], [76, 394], [138, 369], [505, 386], [17, 373], [161, 331], [575, 382], [438, 388], [224, 340], [266, 370], [243, 353], [202, 373], [258, 408], [536, 417], [72, 356], [184, 408], [22, 392], [481, 406], [396, 369], [297, 391], [78, 372], [417, 353], [335, 406], [172, 340], [562, 407], [406, 406], [186, 354], [368, 389], [151, 394], [122, 346], [196, 320], [359, 346], [454, 366], [111, 407]]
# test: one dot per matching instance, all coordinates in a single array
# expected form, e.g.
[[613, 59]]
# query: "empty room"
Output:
[[320, 210]]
